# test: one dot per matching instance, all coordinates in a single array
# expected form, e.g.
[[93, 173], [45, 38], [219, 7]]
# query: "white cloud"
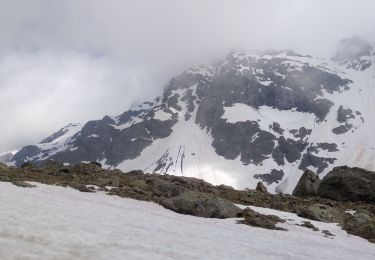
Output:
[[74, 60], [42, 91]]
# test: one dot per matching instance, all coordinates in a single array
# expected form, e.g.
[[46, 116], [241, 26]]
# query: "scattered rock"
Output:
[[23, 184], [201, 205], [112, 181], [307, 185], [84, 188], [255, 219], [320, 212], [260, 187], [308, 224], [348, 184], [327, 233]]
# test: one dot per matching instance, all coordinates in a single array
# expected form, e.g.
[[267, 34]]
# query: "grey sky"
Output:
[[65, 61]]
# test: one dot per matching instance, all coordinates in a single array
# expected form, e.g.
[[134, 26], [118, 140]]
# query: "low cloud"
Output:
[[75, 60]]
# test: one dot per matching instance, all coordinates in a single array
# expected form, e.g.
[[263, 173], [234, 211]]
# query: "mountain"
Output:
[[253, 116], [7, 157]]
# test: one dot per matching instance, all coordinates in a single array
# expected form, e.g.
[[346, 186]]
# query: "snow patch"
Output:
[[50, 222]]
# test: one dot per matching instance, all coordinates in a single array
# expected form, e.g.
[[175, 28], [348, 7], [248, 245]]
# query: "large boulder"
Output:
[[361, 223], [320, 212], [201, 205], [261, 188], [348, 184], [307, 185]]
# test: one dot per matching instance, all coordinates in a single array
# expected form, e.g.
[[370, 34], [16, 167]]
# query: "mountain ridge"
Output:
[[253, 116]]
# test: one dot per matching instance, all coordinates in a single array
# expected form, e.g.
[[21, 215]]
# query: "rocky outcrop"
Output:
[[320, 212], [307, 185], [348, 184], [201, 205], [256, 219], [361, 224], [260, 187]]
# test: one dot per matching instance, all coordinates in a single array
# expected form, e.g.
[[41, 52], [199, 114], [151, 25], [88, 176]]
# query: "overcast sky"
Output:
[[67, 61]]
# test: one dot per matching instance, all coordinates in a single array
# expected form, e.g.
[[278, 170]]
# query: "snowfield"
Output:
[[49, 222]]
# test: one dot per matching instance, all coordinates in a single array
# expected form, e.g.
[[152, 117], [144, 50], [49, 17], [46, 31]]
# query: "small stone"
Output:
[[308, 224], [327, 233]]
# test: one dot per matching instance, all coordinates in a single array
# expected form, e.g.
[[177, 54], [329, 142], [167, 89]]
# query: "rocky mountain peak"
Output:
[[354, 52], [253, 116]]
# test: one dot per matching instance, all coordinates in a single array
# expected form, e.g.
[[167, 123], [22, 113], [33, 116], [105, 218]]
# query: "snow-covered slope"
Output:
[[7, 157], [254, 116], [50, 222]]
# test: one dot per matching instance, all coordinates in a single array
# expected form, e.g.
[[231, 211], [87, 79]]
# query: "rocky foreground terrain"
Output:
[[345, 195]]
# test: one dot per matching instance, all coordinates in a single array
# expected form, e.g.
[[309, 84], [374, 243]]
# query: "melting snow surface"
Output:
[[49, 222]]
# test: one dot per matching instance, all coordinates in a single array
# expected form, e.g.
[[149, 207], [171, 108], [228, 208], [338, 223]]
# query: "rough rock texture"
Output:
[[256, 219], [348, 184], [201, 205], [361, 223], [23, 184], [308, 224], [307, 185], [320, 212], [260, 187]]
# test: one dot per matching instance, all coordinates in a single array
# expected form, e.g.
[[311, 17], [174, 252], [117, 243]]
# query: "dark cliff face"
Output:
[[278, 81]]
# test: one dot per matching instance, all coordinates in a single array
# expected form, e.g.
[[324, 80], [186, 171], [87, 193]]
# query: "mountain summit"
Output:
[[259, 116]]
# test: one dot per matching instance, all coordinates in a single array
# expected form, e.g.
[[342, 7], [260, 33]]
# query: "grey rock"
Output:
[[319, 162], [342, 129], [344, 114], [256, 219], [261, 188], [308, 224], [201, 205], [23, 184], [307, 185], [273, 177], [361, 224], [320, 212], [348, 184], [166, 189]]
